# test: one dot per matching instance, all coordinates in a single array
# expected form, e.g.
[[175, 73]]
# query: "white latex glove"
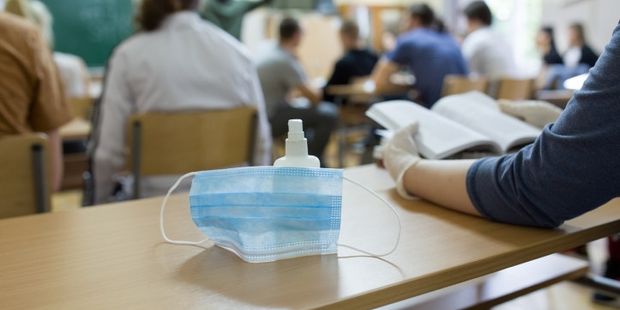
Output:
[[536, 113], [400, 154]]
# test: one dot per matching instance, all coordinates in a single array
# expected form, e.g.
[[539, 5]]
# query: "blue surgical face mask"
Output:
[[265, 214]]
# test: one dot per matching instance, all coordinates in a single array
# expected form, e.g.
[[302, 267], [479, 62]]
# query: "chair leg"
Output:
[[135, 158], [342, 144], [40, 179]]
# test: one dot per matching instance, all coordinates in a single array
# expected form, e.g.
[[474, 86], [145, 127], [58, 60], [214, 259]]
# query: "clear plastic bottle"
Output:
[[296, 154]]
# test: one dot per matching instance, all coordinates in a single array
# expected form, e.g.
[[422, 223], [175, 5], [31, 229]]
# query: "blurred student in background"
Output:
[[281, 74], [579, 51], [229, 14], [429, 53], [545, 43], [486, 51], [357, 61], [578, 59], [31, 96], [73, 72], [177, 62]]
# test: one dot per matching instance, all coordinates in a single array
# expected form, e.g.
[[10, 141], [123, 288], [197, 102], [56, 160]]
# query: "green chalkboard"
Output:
[[90, 28]]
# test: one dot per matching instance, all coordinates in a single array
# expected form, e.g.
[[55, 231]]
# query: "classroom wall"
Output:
[[599, 16]]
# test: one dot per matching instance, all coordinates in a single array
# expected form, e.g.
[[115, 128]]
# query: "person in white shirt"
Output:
[[177, 62], [485, 50]]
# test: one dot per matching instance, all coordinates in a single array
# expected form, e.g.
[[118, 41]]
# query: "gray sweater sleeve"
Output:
[[573, 166]]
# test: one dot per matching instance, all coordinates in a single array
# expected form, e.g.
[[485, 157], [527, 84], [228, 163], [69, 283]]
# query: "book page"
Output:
[[479, 112], [437, 137]]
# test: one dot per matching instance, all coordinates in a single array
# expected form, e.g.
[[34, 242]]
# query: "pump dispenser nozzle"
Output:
[[297, 148]]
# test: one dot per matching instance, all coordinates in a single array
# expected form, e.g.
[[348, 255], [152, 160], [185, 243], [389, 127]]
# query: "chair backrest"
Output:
[[24, 175], [180, 142], [458, 84], [516, 89]]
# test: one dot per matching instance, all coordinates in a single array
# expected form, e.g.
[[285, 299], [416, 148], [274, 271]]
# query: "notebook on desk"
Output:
[[470, 122]]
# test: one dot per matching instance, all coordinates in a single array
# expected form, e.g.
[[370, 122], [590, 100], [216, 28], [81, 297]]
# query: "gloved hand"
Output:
[[400, 154], [536, 113]]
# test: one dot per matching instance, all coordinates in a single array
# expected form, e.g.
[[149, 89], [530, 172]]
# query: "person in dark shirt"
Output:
[[546, 45], [356, 62]]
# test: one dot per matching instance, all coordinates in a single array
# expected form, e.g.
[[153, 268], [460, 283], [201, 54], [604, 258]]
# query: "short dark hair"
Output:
[[154, 12], [478, 10], [289, 27], [350, 29], [424, 13]]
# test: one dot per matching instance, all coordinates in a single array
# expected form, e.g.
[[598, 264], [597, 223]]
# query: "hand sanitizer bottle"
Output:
[[297, 148]]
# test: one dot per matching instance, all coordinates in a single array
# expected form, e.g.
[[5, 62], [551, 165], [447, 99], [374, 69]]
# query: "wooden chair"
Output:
[[516, 89], [24, 175], [458, 84], [177, 143]]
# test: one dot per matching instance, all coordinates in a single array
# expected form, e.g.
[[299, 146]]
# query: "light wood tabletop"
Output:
[[113, 257], [367, 87], [77, 129]]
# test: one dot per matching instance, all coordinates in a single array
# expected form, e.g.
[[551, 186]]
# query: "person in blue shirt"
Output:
[[427, 51], [572, 167]]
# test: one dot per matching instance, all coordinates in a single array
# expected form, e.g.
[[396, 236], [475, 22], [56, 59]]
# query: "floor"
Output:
[[564, 296]]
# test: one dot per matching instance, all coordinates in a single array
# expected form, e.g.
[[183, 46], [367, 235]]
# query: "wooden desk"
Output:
[[558, 97], [77, 129], [366, 89], [113, 257]]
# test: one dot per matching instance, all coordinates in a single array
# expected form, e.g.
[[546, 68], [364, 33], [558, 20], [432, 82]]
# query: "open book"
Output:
[[467, 122]]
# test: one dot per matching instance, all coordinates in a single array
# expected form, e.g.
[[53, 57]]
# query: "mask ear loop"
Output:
[[163, 208], [395, 215]]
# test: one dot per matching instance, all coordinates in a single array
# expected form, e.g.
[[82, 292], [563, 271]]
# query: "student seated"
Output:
[[428, 52], [572, 168], [356, 62], [578, 59], [486, 51], [579, 51], [281, 73], [177, 62], [31, 96], [545, 43]]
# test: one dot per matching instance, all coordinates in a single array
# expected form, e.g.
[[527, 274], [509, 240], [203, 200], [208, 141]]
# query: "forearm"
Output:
[[442, 182], [310, 93]]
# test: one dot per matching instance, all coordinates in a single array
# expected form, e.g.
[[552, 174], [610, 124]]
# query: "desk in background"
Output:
[[113, 256], [77, 129], [358, 96]]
